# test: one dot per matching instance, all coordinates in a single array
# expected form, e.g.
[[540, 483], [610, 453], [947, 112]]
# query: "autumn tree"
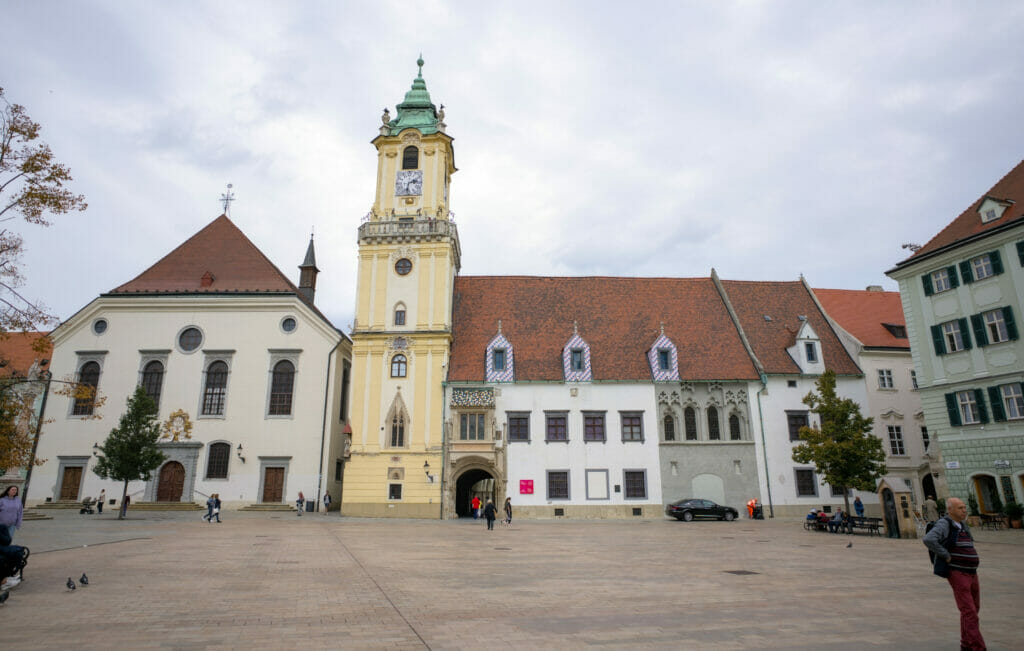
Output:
[[131, 452], [844, 451]]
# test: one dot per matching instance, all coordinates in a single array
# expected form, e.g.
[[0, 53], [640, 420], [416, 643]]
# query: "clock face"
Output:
[[409, 183]]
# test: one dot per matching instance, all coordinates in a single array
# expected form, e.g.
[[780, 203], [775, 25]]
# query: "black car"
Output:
[[694, 508]]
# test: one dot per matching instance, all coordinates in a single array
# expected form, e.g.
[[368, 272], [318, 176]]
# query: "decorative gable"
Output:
[[499, 361], [806, 350], [663, 359], [576, 359], [992, 209]]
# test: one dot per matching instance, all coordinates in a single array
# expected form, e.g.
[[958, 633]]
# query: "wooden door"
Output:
[[273, 484], [171, 482], [70, 483]]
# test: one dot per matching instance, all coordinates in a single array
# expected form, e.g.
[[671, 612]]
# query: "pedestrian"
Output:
[[508, 510], [490, 511], [100, 500], [956, 560], [124, 506], [476, 507], [300, 503], [11, 511], [931, 510], [327, 502], [209, 509], [858, 506], [216, 506]]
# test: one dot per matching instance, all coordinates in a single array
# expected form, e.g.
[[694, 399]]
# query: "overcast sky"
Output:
[[764, 139]]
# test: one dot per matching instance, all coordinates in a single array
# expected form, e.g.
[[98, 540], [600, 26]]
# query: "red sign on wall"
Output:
[[526, 487]]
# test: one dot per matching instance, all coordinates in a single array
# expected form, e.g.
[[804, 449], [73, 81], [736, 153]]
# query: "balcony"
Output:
[[411, 229]]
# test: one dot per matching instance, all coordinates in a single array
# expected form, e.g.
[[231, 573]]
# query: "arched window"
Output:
[[713, 432], [398, 430], [690, 421], [734, 427], [216, 389], [410, 158], [89, 375], [217, 461], [400, 314], [398, 366], [153, 380], [670, 428], [281, 386]]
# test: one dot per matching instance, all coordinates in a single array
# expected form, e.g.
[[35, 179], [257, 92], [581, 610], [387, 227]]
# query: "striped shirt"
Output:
[[963, 555]]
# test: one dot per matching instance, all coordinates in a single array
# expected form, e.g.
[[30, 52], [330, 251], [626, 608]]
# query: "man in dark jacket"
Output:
[[956, 559]]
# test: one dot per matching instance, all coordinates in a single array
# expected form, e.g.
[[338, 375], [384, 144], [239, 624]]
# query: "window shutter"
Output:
[[938, 340], [1011, 325], [995, 398], [965, 271], [953, 409], [954, 281], [980, 336], [1020, 252], [965, 333], [979, 397], [997, 262], [926, 279]]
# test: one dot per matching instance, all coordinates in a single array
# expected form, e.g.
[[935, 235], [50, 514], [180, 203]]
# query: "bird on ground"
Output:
[[850, 545], [84, 580], [4, 596], [70, 584]]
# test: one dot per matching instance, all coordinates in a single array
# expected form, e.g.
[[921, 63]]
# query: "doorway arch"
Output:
[[928, 486], [987, 493], [473, 482], [171, 483]]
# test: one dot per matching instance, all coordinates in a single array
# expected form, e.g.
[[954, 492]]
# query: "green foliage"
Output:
[[131, 452], [941, 504], [1013, 510], [972, 504], [844, 452]]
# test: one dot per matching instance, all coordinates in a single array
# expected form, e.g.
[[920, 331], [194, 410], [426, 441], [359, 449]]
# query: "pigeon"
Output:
[[850, 545], [70, 584], [4, 596], [84, 580]]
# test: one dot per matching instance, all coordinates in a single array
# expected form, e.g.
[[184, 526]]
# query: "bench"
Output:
[[873, 525], [993, 521], [815, 525]]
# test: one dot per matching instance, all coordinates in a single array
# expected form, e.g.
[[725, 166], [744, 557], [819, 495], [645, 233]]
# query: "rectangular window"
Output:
[[969, 413], [981, 267], [519, 427], [394, 491], [558, 484], [805, 485], [663, 359], [896, 440], [995, 326], [337, 471], [635, 483], [796, 420], [632, 426], [499, 359], [884, 378], [576, 359], [471, 427], [346, 375], [812, 353], [597, 484], [1013, 401], [952, 336], [940, 281], [924, 438], [399, 317], [593, 426], [836, 491], [913, 378], [556, 427]]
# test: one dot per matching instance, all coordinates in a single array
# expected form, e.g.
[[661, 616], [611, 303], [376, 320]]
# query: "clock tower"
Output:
[[408, 257]]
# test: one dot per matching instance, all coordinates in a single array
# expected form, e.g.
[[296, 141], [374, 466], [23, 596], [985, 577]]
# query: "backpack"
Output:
[[947, 543]]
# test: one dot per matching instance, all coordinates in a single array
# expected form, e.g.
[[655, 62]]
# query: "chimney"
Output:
[[870, 288], [307, 273]]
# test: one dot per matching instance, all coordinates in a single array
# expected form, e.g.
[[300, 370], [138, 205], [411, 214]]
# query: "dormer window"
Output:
[[896, 330], [990, 215], [576, 362], [992, 209], [410, 158], [499, 359], [812, 352], [664, 360]]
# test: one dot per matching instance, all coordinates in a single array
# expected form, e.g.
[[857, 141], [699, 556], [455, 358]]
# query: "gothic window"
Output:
[[398, 366], [216, 389], [398, 431], [217, 461], [153, 380], [713, 432], [410, 158], [89, 375], [734, 427], [690, 422], [670, 428], [281, 386]]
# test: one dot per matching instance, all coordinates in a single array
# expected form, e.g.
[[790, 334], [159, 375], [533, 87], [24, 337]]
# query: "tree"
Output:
[[131, 452], [32, 187], [843, 451]]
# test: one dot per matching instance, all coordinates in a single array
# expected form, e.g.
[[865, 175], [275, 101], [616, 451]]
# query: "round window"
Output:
[[403, 266], [189, 339], [288, 324], [99, 326]]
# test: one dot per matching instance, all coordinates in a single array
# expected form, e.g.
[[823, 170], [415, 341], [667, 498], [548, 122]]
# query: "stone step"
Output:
[[268, 507], [165, 506], [60, 504], [31, 514]]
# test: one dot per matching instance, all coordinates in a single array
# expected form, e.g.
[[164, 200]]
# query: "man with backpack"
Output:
[[951, 547]]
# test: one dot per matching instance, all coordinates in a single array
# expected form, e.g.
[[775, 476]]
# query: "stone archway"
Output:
[[473, 482]]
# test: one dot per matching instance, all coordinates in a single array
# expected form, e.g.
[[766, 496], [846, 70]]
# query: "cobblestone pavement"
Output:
[[278, 581]]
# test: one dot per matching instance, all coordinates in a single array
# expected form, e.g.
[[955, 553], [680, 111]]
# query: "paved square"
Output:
[[279, 581]]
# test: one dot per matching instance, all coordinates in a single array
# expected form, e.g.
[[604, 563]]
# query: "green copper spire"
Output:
[[416, 111]]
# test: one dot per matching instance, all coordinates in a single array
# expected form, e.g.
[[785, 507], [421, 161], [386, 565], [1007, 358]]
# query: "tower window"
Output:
[[400, 317], [410, 158], [398, 366], [403, 267]]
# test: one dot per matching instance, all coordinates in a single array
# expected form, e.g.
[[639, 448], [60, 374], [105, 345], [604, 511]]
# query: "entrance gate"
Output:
[[473, 482]]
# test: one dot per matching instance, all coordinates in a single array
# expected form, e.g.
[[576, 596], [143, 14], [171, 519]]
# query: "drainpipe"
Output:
[[323, 427], [35, 441], [764, 445], [444, 439]]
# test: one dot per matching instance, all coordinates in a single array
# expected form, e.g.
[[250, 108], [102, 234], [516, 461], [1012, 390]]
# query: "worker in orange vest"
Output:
[[751, 505]]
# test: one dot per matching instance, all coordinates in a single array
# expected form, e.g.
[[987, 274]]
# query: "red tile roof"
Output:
[[784, 303], [862, 313], [968, 224], [17, 353], [223, 251], [619, 318]]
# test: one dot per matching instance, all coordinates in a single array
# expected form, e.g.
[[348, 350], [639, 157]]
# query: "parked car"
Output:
[[694, 508]]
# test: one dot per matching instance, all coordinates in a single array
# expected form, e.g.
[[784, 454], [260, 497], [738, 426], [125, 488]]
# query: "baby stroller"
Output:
[[13, 558], [87, 505]]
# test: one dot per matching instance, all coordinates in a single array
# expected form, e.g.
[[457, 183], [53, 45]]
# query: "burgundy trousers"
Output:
[[967, 593]]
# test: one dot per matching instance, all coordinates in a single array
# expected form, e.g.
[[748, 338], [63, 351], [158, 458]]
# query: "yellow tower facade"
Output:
[[408, 257]]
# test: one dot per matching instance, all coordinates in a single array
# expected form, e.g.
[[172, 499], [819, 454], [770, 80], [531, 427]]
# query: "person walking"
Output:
[[956, 560], [100, 500], [930, 509], [11, 511], [216, 506], [300, 503], [327, 502], [490, 511], [858, 506], [508, 510], [124, 506], [476, 507], [209, 509]]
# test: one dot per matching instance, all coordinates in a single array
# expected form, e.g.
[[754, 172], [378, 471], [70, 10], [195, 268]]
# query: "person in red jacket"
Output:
[[476, 507]]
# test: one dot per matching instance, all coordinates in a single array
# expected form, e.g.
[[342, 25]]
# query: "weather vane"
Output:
[[227, 198]]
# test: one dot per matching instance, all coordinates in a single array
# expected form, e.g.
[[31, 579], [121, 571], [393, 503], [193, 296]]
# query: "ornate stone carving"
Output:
[[411, 137], [404, 252], [738, 397], [178, 424], [686, 386]]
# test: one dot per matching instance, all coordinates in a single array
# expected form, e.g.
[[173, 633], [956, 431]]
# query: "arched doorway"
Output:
[[987, 493], [892, 520], [473, 482], [928, 486], [171, 483]]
